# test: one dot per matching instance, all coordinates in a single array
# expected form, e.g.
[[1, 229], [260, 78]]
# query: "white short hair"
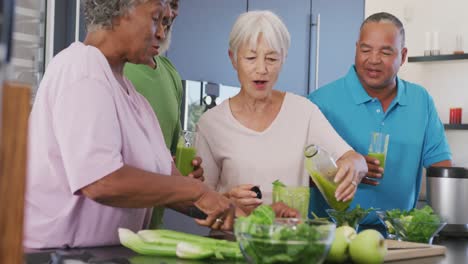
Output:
[[250, 25]]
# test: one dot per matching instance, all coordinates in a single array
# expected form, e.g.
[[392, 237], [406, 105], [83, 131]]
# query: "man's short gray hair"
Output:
[[99, 14], [250, 25], [389, 18]]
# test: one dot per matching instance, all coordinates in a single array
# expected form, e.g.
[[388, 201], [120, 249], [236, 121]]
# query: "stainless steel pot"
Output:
[[447, 194]]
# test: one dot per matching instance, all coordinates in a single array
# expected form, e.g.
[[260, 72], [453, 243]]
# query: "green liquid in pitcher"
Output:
[[327, 189], [184, 157], [379, 156]]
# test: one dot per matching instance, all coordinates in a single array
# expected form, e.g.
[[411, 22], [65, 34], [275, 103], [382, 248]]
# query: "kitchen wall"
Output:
[[446, 81]]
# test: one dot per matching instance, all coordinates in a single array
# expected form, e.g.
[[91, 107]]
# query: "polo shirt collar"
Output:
[[360, 95]]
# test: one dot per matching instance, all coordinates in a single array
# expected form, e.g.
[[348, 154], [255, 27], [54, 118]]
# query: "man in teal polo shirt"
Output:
[[372, 98]]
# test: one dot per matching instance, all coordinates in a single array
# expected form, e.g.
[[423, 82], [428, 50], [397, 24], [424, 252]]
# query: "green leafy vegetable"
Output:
[[349, 217], [416, 225], [265, 240]]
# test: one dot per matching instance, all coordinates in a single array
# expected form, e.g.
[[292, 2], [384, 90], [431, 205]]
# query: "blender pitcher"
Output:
[[322, 169]]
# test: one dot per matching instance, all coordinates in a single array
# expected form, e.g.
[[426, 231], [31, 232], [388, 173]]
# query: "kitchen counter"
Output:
[[457, 252]]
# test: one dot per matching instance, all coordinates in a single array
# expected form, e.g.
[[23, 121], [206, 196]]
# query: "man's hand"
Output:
[[197, 172], [374, 169]]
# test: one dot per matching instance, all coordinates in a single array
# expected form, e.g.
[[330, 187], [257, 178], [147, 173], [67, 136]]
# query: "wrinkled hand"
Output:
[[244, 199], [219, 209], [197, 172], [352, 168], [283, 211]]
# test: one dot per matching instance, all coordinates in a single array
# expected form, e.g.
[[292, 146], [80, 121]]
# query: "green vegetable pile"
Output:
[[265, 240], [169, 243], [416, 225], [349, 217]]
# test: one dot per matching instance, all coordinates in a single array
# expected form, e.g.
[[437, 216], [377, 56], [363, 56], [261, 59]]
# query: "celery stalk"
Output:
[[221, 248], [162, 242], [188, 250], [135, 243]]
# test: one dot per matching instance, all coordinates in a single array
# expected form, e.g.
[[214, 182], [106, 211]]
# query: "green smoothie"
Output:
[[184, 157], [380, 157], [327, 188], [296, 197]]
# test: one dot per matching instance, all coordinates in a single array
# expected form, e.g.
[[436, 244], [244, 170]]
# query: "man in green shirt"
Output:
[[161, 84]]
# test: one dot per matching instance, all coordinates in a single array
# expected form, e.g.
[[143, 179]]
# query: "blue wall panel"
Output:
[[200, 38]]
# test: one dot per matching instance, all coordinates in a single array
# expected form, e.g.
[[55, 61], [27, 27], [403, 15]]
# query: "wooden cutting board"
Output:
[[399, 250]]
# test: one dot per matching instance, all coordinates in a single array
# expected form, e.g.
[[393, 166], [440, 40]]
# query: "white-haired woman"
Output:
[[259, 135], [97, 157]]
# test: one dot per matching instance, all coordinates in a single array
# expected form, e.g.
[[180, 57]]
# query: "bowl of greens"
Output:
[[264, 239], [350, 217], [416, 225], [382, 215]]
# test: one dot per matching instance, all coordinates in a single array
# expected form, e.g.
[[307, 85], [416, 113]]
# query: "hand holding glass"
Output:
[[185, 152], [378, 147]]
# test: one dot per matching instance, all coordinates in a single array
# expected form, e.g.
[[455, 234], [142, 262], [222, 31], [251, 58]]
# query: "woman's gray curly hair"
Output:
[[99, 14]]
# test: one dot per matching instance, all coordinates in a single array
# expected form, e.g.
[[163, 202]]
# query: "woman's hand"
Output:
[[244, 198], [283, 211], [219, 209], [352, 168]]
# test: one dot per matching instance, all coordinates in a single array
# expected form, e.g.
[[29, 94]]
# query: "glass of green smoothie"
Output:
[[296, 197], [378, 147], [185, 152]]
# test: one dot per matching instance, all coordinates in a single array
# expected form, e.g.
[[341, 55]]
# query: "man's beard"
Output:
[[166, 43]]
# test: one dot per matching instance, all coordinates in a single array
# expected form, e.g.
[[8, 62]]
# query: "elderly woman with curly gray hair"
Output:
[[97, 157]]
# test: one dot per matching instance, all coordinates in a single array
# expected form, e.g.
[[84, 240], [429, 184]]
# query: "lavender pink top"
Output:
[[82, 127]]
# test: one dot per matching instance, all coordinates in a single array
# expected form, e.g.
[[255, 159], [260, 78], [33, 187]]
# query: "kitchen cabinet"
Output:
[[201, 34], [338, 31], [296, 16], [200, 38]]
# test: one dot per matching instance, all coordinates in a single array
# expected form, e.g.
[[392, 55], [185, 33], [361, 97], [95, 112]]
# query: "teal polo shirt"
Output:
[[417, 138]]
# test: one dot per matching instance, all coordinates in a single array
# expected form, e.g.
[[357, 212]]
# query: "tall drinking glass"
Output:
[[378, 147], [185, 152]]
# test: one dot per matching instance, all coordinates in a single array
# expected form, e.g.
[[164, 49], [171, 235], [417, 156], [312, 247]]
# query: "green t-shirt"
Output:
[[162, 87]]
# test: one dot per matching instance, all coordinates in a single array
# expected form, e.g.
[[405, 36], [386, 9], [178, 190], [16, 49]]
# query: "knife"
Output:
[[194, 212]]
